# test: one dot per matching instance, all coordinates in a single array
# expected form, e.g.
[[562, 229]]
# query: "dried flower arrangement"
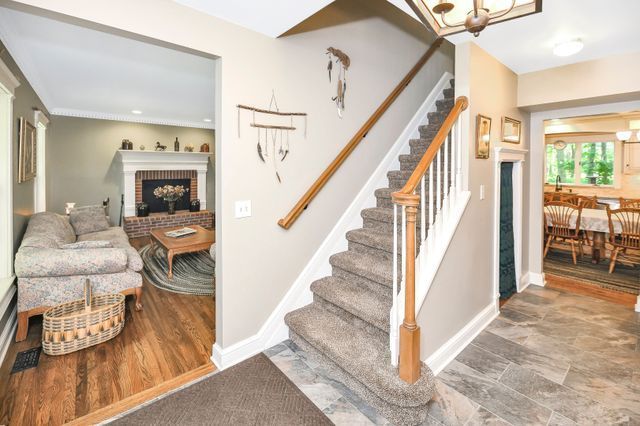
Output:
[[169, 192]]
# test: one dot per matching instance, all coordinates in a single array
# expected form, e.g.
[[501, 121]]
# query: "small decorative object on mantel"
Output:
[[188, 148], [27, 151], [273, 133], [170, 194], [483, 136], [342, 59], [160, 147], [511, 130], [127, 145], [141, 147], [194, 206], [176, 145], [204, 147]]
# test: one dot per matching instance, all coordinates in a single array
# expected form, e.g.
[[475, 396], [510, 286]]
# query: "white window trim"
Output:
[[40, 185], [579, 140], [8, 84]]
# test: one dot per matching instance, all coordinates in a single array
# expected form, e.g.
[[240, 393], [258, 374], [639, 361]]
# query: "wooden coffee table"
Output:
[[201, 240]]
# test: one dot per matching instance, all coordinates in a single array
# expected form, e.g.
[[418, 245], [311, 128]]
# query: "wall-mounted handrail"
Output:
[[405, 340], [322, 180]]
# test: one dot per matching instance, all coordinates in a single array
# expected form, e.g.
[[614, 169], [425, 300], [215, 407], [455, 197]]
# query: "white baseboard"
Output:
[[7, 333], [438, 360], [274, 329], [525, 281], [637, 309], [536, 278]]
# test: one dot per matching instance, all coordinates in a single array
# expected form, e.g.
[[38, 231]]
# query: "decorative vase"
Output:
[[194, 206], [142, 210], [172, 207]]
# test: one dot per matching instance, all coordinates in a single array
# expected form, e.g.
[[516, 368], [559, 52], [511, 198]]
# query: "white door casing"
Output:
[[41, 123]]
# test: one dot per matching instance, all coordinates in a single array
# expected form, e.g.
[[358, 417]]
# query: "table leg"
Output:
[[598, 244], [170, 261]]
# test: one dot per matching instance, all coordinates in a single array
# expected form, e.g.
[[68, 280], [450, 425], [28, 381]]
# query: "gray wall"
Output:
[[23, 106], [82, 165]]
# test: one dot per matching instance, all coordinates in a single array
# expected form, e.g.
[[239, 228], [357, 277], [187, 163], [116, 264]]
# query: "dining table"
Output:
[[597, 222]]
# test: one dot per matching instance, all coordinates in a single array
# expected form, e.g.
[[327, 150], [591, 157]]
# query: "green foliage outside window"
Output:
[[561, 163], [595, 160]]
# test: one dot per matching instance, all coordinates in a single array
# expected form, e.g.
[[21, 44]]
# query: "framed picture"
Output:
[[26, 151], [511, 130], [483, 136]]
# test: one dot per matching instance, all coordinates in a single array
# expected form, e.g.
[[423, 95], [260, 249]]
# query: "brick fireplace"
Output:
[[144, 170]]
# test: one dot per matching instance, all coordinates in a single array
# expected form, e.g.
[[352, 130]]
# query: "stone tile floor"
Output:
[[550, 358]]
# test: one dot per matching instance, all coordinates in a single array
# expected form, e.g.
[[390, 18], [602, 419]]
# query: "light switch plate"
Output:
[[482, 192], [243, 208]]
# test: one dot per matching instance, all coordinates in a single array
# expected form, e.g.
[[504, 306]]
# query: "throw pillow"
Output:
[[88, 219], [86, 245]]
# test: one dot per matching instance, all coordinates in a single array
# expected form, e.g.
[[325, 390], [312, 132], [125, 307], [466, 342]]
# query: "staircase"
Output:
[[347, 327]]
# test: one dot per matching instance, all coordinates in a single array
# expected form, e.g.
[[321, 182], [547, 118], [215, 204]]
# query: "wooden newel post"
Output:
[[409, 330]]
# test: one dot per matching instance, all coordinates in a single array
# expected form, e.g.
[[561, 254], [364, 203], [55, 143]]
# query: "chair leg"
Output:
[[138, 292], [581, 248], [573, 252], [23, 326], [614, 256], [546, 247]]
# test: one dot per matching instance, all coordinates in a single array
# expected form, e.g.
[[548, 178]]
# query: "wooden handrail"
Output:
[[322, 180], [407, 191]]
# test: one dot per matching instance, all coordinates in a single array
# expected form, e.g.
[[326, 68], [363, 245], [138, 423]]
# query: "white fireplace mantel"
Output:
[[132, 161]]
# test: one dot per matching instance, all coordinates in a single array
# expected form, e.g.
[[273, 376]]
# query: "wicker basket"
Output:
[[82, 323]]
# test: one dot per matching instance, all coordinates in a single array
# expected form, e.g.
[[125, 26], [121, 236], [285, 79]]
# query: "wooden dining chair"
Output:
[[562, 221], [588, 202], [548, 197], [568, 198], [633, 203], [629, 235]]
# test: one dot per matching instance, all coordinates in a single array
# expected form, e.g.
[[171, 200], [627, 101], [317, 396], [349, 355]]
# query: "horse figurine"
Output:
[[160, 147]]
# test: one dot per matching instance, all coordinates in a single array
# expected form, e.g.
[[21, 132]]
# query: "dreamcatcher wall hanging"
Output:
[[342, 61], [273, 139]]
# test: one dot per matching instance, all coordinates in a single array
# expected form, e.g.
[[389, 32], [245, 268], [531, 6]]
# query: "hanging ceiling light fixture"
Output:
[[454, 16]]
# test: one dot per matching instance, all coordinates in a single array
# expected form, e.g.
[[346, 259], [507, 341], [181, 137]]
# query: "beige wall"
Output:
[[463, 286], [610, 79], [24, 103], [82, 165], [257, 260]]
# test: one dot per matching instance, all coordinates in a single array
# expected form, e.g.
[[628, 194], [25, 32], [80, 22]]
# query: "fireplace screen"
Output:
[[157, 205]]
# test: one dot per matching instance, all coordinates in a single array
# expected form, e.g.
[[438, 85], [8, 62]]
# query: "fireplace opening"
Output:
[[157, 205]]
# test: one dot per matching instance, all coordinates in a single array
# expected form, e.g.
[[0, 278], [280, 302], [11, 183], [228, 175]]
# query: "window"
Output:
[[581, 163]]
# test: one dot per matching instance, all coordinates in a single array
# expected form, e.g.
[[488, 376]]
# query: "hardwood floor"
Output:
[[586, 289], [170, 337]]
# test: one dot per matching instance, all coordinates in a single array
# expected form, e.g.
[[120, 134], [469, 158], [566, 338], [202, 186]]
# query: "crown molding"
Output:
[[67, 112]]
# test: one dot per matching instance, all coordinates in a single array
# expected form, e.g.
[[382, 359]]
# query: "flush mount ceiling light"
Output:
[[447, 17], [136, 111], [568, 48], [207, 120]]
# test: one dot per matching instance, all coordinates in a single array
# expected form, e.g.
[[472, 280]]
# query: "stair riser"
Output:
[[373, 331], [445, 105], [384, 226], [395, 414], [383, 253], [397, 184], [449, 93], [383, 288]]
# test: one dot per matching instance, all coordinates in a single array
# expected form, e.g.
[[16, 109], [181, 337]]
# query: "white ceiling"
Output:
[[525, 44], [269, 17], [83, 72]]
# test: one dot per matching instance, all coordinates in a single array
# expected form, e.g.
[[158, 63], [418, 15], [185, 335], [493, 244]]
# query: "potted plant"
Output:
[[170, 194]]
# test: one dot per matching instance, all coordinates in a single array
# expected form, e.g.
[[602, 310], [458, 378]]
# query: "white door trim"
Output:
[[41, 123], [517, 157]]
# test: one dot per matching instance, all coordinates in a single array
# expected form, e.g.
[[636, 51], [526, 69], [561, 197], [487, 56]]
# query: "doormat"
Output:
[[26, 359]]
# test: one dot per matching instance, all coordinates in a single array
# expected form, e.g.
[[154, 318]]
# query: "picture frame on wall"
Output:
[[511, 130], [26, 151], [483, 136]]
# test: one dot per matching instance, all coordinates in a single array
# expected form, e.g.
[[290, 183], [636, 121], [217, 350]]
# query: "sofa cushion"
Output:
[[118, 238], [48, 230], [88, 219], [41, 262], [86, 244]]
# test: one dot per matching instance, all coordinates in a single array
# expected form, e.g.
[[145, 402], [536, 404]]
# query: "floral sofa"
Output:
[[52, 265]]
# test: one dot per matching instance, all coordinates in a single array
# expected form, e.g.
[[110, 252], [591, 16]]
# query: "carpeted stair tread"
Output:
[[364, 358], [364, 265], [385, 214], [358, 301], [374, 238]]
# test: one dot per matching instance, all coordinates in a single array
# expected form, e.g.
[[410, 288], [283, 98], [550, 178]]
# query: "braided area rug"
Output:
[[193, 273]]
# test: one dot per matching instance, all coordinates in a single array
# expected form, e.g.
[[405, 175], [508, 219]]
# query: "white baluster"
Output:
[[459, 161], [438, 189], [445, 190], [423, 228], [453, 190], [403, 238], [393, 315], [431, 207]]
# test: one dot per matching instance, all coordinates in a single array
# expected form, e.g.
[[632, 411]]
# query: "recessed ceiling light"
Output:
[[136, 111], [207, 120], [568, 48]]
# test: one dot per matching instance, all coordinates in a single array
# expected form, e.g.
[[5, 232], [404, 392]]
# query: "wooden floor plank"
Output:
[[587, 289], [164, 346]]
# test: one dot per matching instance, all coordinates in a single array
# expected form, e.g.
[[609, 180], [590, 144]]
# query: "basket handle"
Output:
[[87, 295]]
